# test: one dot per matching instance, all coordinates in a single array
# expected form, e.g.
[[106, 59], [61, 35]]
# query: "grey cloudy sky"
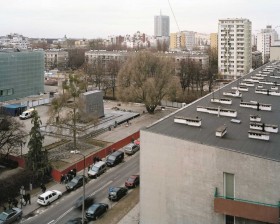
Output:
[[92, 18]]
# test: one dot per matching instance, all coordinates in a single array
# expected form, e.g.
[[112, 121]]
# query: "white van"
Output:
[[97, 169], [26, 114], [48, 197]]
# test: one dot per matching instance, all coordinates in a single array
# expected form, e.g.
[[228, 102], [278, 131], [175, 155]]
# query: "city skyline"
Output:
[[54, 19]]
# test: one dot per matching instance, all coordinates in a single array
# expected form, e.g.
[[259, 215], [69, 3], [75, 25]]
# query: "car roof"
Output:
[[116, 153], [134, 176], [47, 193], [98, 164]]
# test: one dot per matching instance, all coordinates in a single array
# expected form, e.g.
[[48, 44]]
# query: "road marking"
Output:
[[65, 213], [108, 183], [50, 222]]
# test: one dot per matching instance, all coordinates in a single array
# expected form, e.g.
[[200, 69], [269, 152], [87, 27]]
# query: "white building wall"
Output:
[[178, 180]]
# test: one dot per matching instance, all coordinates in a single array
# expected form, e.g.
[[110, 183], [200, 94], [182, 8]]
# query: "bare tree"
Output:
[[145, 78], [113, 70], [12, 135]]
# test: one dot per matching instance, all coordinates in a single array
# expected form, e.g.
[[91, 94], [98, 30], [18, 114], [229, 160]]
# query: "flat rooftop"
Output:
[[236, 139]]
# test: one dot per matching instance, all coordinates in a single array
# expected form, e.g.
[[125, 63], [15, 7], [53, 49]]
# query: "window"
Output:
[[229, 193]]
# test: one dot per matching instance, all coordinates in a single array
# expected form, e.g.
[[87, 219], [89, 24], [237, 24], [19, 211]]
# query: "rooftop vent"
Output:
[[221, 131], [233, 93], [240, 88], [255, 118], [236, 121], [221, 100], [264, 127], [256, 105], [188, 121], [258, 135], [219, 111]]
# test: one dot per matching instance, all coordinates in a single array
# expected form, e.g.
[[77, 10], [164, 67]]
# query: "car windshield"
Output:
[[3, 216], [92, 208], [94, 168], [41, 198], [127, 148], [75, 180], [113, 193], [111, 157], [131, 179]]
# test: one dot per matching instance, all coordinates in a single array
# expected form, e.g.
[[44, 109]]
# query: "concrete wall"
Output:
[[274, 53], [178, 180]]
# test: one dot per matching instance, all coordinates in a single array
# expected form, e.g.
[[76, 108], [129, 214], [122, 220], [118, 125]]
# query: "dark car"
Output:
[[75, 183], [96, 210], [88, 202], [132, 181], [77, 221], [116, 193], [11, 215], [115, 158]]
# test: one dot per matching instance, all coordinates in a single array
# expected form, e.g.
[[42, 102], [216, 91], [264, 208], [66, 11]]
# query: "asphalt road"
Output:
[[62, 210]]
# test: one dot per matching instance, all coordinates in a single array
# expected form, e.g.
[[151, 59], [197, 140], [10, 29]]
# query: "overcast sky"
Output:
[[93, 18]]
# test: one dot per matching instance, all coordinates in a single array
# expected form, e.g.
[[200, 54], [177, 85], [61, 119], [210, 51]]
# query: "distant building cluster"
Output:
[[14, 40]]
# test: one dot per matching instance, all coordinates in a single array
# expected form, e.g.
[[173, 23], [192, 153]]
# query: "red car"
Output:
[[132, 181]]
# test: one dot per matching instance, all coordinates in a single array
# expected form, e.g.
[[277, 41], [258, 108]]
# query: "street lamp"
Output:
[[83, 208]]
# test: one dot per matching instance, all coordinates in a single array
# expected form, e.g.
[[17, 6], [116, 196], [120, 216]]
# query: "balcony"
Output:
[[251, 210]]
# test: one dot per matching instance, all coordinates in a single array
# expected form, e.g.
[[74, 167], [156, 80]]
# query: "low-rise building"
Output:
[[56, 58], [217, 159]]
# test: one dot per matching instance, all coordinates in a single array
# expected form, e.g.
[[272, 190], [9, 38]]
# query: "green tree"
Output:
[[145, 78], [37, 158]]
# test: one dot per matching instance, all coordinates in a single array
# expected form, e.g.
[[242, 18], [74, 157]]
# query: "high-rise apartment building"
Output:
[[21, 74], [266, 39], [214, 41], [234, 47], [177, 41], [161, 26]]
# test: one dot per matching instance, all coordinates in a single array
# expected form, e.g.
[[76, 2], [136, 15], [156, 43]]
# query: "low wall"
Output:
[[56, 174]]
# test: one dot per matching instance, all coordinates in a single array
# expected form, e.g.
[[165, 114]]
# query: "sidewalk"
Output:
[[29, 208]]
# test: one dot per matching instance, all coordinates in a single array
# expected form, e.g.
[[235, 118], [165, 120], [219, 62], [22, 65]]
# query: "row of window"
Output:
[[6, 92]]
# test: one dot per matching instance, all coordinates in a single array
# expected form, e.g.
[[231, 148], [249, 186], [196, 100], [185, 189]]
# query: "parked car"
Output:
[[77, 221], [131, 148], [48, 197], [88, 202], [26, 114], [75, 183], [96, 210], [116, 193], [115, 158], [10, 215], [132, 181], [97, 169]]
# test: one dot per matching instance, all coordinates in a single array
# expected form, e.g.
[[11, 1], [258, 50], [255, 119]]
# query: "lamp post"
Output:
[[83, 208]]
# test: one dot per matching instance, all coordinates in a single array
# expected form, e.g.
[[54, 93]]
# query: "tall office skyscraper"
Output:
[[161, 26], [234, 47]]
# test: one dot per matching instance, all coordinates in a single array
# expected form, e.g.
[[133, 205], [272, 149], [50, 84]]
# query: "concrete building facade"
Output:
[[256, 59], [275, 53], [56, 58], [234, 47], [266, 39], [161, 25], [214, 41], [207, 164], [21, 74]]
